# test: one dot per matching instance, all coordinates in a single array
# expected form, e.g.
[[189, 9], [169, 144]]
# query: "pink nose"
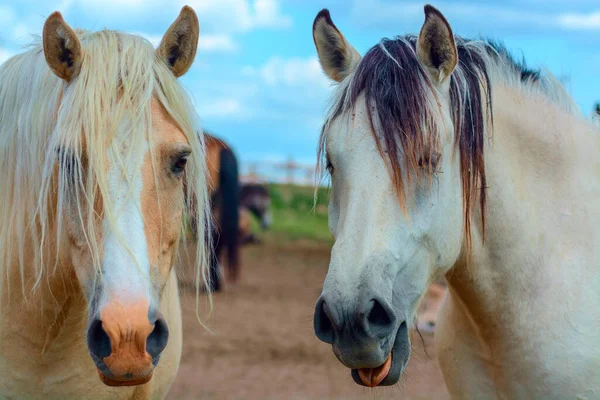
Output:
[[125, 343]]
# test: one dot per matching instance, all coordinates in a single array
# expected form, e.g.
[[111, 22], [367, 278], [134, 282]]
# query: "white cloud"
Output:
[[216, 43], [218, 15], [248, 71], [267, 14], [110, 7], [580, 21], [7, 14], [5, 54], [240, 15], [22, 32], [385, 12], [222, 107], [282, 89], [107, 3], [293, 72], [220, 20], [207, 43]]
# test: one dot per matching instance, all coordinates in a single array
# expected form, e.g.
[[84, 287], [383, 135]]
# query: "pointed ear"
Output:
[[338, 58], [62, 47], [435, 47], [178, 47]]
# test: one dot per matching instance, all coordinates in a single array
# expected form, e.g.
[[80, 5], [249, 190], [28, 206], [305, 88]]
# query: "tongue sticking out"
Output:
[[372, 377]]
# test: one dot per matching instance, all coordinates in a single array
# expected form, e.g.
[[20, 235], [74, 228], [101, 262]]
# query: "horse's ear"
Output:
[[436, 48], [178, 47], [338, 58], [62, 47]]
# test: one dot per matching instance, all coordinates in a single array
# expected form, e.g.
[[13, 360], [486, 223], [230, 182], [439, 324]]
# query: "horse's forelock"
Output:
[[404, 113]]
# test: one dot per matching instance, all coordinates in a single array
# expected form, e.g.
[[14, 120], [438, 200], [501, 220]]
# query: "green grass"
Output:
[[295, 215]]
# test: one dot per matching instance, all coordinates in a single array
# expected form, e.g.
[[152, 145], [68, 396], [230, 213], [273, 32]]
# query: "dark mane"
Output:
[[403, 108], [498, 49]]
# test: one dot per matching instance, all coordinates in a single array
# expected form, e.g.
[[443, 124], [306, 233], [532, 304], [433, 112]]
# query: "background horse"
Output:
[[224, 192], [448, 158], [96, 133], [254, 198]]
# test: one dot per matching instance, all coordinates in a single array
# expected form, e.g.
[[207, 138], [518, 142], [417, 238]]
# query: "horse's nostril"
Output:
[[98, 340], [380, 320], [378, 314], [322, 323], [158, 338]]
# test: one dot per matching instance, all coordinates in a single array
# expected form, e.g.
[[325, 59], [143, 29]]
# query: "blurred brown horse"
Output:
[[224, 193], [232, 205]]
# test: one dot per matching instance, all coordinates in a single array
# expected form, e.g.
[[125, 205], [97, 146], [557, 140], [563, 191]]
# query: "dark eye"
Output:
[[179, 165], [329, 166], [430, 161], [68, 163]]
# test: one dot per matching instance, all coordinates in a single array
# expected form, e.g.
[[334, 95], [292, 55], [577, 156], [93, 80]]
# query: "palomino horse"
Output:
[[431, 178], [223, 189], [95, 136]]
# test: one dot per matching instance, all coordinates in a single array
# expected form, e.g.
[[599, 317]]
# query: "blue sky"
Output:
[[256, 81]]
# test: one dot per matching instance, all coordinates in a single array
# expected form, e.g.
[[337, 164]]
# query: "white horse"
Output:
[[95, 134], [447, 158]]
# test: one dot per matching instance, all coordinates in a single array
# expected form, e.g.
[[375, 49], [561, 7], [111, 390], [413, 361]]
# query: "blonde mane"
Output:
[[45, 122]]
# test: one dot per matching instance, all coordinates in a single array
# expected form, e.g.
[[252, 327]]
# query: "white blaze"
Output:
[[126, 268]]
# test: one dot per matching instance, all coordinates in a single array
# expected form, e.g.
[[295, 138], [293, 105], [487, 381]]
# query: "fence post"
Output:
[[255, 171]]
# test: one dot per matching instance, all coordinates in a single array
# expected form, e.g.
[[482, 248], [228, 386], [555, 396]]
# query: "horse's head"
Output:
[[122, 141], [396, 208], [256, 198]]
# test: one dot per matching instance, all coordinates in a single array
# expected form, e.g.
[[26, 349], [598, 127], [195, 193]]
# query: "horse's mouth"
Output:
[[372, 377], [389, 372], [126, 381]]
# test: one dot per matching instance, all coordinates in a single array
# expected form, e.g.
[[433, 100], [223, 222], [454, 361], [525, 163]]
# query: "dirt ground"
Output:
[[263, 346]]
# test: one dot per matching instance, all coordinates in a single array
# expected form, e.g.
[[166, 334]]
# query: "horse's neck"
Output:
[[539, 261]]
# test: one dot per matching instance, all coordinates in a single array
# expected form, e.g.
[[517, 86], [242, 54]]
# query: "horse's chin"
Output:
[[124, 382]]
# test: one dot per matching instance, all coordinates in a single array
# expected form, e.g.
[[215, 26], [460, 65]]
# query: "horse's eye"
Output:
[[179, 165], [329, 167], [67, 162], [430, 161]]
